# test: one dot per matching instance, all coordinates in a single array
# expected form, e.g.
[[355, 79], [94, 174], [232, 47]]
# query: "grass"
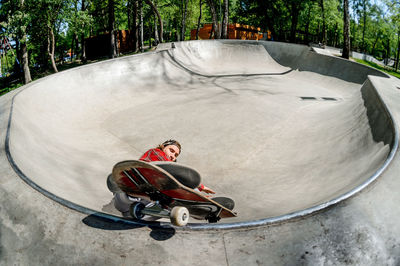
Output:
[[10, 88], [379, 67]]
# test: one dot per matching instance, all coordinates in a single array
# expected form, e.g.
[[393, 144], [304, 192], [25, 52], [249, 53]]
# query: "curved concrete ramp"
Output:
[[276, 127], [225, 58]]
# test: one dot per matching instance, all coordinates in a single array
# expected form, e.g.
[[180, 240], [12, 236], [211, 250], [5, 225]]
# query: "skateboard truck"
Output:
[[178, 215], [213, 217]]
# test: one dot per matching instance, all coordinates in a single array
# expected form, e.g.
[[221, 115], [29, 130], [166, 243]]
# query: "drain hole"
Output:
[[328, 99], [308, 98]]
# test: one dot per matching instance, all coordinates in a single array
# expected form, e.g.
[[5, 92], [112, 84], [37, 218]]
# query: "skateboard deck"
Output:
[[149, 181]]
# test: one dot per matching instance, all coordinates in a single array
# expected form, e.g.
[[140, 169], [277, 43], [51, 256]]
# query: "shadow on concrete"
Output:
[[382, 126], [224, 75], [99, 222], [161, 234]]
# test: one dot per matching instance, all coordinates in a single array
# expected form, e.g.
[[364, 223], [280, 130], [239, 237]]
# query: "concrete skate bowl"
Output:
[[282, 130]]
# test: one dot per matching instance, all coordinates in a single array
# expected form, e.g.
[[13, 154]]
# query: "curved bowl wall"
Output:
[[280, 129]]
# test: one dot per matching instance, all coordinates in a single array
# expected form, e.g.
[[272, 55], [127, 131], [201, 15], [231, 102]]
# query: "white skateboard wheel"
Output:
[[179, 216]]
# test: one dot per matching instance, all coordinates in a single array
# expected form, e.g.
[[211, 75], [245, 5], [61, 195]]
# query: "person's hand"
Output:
[[208, 190]]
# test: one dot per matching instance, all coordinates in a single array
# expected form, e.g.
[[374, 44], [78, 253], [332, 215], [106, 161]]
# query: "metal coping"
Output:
[[202, 226]]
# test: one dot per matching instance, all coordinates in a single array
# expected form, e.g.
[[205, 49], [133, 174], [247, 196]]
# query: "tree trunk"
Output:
[[295, 16], [51, 47], [215, 32], [156, 35], [270, 15], [398, 49], [346, 30], [388, 55], [199, 20], [212, 32], [307, 29], [73, 39], [156, 39], [225, 20], [184, 14], [25, 63], [83, 43], [335, 38], [1, 67], [141, 42], [24, 53], [134, 25], [129, 12], [364, 26], [353, 37], [111, 28], [150, 29], [155, 10], [324, 37], [76, 48], [375, 42]]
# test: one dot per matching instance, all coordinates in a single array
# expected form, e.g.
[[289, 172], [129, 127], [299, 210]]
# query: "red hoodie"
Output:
[[154, 155], [158, 155]]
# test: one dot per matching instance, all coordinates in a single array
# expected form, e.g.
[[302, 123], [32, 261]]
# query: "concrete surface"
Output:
[[237, 124]]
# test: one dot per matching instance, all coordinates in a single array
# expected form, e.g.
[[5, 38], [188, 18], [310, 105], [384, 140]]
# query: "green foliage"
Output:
[[375, 25], [78, 21], [374, 65], [15, 19]]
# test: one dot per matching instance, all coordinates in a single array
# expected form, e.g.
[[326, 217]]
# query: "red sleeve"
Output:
[[201, 187], [154, 155]]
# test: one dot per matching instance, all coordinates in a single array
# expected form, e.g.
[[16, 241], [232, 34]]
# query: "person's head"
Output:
[[171, 148]]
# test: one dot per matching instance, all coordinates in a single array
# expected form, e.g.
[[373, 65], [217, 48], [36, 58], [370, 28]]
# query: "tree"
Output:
[[48, 16], [225, 20], [132, 21], [294, 6], [215, 29], [141, 42], [54, 26], [398, 49], [394, 7], [24, 53], [78, 22], [16, 24], [199, 19], [346, 30], [364, 24], [184, 14], [83, 43], [155, 10], [324, 37], [111, 28]]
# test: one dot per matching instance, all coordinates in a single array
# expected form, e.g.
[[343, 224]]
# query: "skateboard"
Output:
[[174, 197]]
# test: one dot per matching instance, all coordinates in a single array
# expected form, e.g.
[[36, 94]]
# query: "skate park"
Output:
[[305, 143]]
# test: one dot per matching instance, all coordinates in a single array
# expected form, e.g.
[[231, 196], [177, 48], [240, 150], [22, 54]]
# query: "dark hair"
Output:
[[170, 142]]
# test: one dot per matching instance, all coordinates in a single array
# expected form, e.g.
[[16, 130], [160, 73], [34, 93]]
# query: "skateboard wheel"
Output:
[[179, 216], [111, 185], [136, 210]]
